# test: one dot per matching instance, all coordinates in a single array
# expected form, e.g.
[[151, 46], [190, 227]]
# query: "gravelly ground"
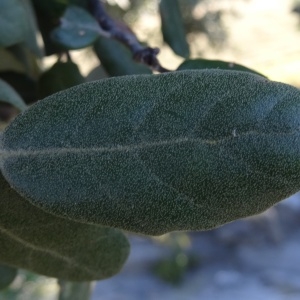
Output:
[[257, 258]]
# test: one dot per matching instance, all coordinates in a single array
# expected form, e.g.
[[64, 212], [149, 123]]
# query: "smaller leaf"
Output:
[[9, 62], [200, 63], [22, 83], [78, 29], [13, 22], [97, 73], [27, 57], [40, 242], [23, 29], [48, 14], [60, 76], [117, 59], [172, 27], [7, 276], [31, 34], [9, 95], [82, 3]]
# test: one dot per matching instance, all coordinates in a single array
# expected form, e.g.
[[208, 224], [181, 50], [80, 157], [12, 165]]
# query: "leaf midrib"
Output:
[[4, 154]]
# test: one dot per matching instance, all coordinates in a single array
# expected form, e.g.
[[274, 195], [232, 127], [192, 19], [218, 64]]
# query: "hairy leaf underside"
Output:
[[187, 150]]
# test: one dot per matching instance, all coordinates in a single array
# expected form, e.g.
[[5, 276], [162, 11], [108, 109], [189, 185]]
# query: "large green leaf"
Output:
[[56, 247], [172, 27], [117, 59], [78, 29], [9, 95], [186, 150], [7, 276], [60, 76], [13, 22], [200, 63]]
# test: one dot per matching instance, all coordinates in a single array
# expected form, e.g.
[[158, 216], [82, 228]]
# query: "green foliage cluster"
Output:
[[192, 149]]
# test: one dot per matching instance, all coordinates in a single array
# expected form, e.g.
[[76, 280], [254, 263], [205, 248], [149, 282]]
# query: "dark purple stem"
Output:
[[122, 33]]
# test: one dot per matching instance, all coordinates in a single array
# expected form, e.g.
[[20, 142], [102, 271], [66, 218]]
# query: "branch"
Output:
[[122, 33]]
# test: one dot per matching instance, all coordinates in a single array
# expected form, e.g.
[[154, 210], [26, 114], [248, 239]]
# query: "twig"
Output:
[[122, 33]]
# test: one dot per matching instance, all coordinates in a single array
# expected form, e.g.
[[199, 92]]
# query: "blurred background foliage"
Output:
[[263, 35], [30, 286], [243, 31]]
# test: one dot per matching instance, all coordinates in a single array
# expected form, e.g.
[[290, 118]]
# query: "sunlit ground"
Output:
[[266, 37]]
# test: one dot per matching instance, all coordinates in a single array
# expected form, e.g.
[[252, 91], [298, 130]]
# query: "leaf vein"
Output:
[[52, 253], [7, 153]]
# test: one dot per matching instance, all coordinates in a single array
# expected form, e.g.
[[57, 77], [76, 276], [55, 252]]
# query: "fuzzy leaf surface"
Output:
[[43, 243], [188, 150]]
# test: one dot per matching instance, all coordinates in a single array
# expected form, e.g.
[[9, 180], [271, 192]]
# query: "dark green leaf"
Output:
[[48, 14], [18, 25], [13, 22], [7, 276], [172, 27], [117, 59], [9, 62], [186, 150], [46, 28], [9, 95], [27, 58], [60, 76], [40, 242], [32, 32], [78, 29], [24, 85], [199, 63]]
